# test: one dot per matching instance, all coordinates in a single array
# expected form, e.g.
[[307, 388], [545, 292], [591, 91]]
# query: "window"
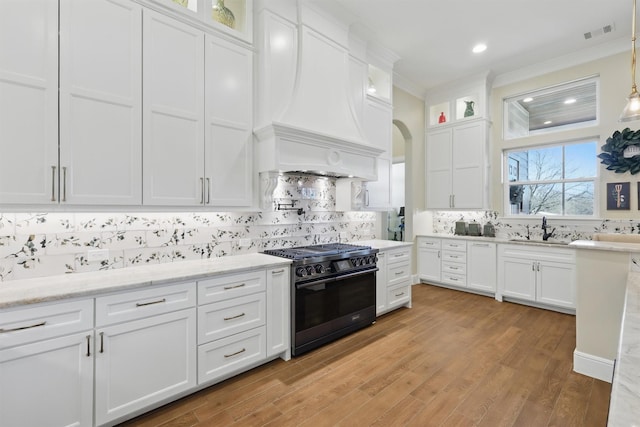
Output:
[[551, 180], [566, 106]]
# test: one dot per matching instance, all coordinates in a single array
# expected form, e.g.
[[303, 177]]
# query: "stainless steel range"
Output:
[[333, 292]]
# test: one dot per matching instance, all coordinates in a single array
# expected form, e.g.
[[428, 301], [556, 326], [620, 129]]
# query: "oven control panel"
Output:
[[329, 268]]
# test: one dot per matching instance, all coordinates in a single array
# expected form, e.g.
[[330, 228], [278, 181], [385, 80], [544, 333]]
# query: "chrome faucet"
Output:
[[545, 235]]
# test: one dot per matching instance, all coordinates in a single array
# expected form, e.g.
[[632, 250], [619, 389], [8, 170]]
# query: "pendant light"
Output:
[[632, 109]]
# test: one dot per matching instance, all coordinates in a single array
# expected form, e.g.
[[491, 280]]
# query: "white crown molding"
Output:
[[409, 86]]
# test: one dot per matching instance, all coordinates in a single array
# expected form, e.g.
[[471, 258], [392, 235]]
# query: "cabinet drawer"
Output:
[[449, 256], [230, 286], [454, 245], [225, 356], [133, 305], [398, 256], [454, 279], [399, 295], [41, 322], [454, 268], [221, 319], [425, 242], [397, 273]]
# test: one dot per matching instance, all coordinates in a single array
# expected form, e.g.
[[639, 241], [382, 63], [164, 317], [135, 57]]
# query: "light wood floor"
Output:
[[454, 359]]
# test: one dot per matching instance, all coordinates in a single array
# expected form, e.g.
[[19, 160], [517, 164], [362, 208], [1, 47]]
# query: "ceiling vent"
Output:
[[599, 32]]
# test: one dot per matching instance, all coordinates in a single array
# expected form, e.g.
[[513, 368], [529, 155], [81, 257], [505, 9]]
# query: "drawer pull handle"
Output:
[[481, 245], [453, 278], [2, 331], [236, 353], [142, 304], [101, 342], [278, 271], [234, 317], [235, 286], [453, 268], [88, 345], [454, 256], [400, 294], [399, 273], [398, 255]]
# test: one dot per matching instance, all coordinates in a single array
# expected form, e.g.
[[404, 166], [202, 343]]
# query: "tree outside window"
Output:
[[552, 180]]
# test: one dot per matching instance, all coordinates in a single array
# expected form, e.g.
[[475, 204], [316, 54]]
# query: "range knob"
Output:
[[310, 270], [301, 272], [320, 268]]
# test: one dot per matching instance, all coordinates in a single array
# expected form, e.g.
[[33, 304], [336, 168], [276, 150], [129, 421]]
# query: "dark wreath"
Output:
[[613, 152]]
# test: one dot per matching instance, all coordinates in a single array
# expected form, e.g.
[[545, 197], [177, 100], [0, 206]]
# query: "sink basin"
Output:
[[540, 242]]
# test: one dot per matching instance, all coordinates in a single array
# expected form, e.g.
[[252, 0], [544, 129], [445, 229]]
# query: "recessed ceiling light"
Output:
[[569, 100], [481, 47], [528, 99], [548, 122]]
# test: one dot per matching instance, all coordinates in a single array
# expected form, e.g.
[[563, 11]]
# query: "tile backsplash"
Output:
[[44, 244], [566, 230]]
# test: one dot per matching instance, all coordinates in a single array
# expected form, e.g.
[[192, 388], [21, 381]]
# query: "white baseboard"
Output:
[[415, 279], [593, 366]]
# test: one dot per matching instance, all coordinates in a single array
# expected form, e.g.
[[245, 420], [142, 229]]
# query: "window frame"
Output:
[[545, 91], [506, 184]]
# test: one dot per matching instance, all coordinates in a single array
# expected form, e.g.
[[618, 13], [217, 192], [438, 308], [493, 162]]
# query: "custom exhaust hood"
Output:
[[309, 95]]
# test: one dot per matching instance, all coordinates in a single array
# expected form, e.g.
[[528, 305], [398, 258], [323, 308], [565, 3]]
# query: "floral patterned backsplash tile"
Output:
[[44, 244], [512, 228]]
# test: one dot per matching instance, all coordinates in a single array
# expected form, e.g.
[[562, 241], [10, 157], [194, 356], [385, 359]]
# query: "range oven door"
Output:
[[327, 309]]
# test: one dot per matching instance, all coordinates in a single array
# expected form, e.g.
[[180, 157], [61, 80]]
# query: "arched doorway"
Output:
[[399, 221]]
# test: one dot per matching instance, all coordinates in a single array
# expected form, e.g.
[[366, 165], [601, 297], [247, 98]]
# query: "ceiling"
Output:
[[434, 38]]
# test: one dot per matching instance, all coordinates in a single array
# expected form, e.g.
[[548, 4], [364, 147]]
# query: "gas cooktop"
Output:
[[326, 250]]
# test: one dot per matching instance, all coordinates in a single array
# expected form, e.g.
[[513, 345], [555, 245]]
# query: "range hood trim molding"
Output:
[[293, 133]]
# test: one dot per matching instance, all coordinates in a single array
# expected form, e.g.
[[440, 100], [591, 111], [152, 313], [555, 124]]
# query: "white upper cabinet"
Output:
[[100, 102], [197, 117], [456, 167], [457, 161], [173, 117], [28, 101], [229, 129]]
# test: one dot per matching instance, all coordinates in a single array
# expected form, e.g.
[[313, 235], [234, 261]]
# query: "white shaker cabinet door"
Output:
[[48, 383], [142, 362], [173, 112], [28, 101], [228, 133], [468, 160], [100, 102], [438, 166]]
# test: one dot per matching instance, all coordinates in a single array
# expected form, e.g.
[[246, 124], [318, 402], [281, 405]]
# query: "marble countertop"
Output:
[[43, 289], [513, 241], [601, 245], [383, 244], [624, 409]]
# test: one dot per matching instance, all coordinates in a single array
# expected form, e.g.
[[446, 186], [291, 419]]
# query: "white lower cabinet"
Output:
[[467, 264], [231, 331], [144, 361], [429, 257], [541, 275], [279, 312], [46, 365], [454, 262], [101, 361], [481, 266], [393, 279]]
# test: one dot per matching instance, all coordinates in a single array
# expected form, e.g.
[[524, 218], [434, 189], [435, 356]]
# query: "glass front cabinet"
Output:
[[230, 16]]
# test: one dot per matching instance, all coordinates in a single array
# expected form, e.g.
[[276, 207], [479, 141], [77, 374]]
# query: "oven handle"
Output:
[[335, 279]]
